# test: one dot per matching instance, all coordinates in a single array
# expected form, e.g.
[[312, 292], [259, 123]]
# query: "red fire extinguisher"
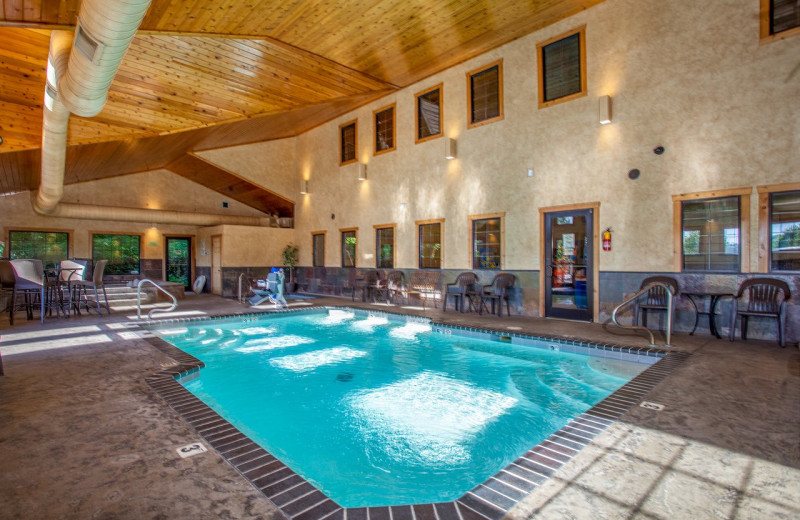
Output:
[[607, 239]]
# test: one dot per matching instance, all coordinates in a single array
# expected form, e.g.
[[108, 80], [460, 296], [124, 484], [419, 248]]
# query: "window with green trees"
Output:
[[48, 246], [121, 251]]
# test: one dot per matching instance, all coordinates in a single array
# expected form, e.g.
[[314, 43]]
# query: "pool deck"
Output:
[[82, 434]]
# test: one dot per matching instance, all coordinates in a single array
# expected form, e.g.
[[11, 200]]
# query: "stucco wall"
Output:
[[681, 75], [158, 189], [270, 164]]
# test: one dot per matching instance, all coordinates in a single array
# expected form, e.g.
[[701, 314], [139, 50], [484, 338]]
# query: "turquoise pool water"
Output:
[[376, 411]]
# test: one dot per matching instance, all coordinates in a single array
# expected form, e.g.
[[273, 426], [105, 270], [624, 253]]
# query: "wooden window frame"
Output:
[[353, 122], [417, 225], [342, 231], [744, 225], [764, 239], [394, 245], [8, 229], [474, 72], [375, 113], [764, 22], [470, 226], [581, 31], [417, 138], [324, 239]]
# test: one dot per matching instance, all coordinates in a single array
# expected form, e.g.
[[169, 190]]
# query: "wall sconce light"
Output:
[[530, 172], [362, 171], [304, 187], [449, 149], [605, 110]]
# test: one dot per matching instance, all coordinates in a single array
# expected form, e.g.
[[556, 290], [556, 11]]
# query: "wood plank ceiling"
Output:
[[205, 74]]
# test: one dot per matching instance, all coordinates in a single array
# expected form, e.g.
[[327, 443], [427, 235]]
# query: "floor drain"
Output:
[[651, 406], [344, 377], [191, 449]]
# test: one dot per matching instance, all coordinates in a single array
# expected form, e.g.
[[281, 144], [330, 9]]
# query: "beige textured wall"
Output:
[[158, 189], [682, 75], [245, 246], [270, 164]]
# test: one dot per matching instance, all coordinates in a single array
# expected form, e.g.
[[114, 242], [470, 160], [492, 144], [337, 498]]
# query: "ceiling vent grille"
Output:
[[85, 43]]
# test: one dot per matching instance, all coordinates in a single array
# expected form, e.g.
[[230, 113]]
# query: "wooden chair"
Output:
[[656, 299], [760, 298], [394, 281], [458, 290], [497, 292]]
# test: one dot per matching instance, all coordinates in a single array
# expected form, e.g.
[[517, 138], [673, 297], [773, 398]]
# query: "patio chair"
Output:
[[762, 298], [69, 272], [657, 298], [8, 284], [96, 283], [31, 283], [386, 291], [465, 282], [366, 284], [497, 292]]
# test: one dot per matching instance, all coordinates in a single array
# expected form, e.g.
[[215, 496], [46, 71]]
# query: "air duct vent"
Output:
[[85, 43]]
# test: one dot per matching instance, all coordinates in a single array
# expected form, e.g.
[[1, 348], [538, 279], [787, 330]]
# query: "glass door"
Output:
[[179, 260], [568, 269]]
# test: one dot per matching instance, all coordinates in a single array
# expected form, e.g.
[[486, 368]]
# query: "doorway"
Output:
[[179, 260], [569, 264], [216, 264]]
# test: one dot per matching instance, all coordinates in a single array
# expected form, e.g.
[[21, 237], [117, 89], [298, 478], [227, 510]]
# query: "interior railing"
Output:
[[241, 298], [152, 311], [670, 304]]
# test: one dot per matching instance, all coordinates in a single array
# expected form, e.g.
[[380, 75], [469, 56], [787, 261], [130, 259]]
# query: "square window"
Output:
[[711, 231], [430, 245], [347, 143], [485, 94], [121, 251], [429, 114], [349, 248], [784, 226], [384, 247], [562, 68], [318, 248], [486, 243], [384, 130]]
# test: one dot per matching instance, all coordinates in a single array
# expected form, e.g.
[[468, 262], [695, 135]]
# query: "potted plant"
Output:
[[289, 256]]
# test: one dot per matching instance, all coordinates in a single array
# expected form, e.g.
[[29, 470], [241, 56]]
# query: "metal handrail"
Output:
[[240, 298], [139, 299], [636, 295]]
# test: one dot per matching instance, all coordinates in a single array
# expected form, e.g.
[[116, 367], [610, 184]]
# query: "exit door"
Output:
[[569, 270]]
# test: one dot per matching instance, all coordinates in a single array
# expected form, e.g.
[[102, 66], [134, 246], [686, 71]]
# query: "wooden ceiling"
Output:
[[205, 74]]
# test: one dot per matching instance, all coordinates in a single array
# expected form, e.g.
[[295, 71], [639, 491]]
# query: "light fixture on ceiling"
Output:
[[304, 187], [530, 172], [605, 110], [449, 149], [362, 171]]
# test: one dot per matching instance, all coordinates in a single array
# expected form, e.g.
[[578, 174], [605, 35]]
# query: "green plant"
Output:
[[290, 259]]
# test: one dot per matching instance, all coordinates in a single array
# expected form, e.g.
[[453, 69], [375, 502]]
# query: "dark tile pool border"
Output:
[[491, 500]]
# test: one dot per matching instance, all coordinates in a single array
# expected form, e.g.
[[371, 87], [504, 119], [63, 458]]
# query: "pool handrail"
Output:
[[636, 295], [152, 311]]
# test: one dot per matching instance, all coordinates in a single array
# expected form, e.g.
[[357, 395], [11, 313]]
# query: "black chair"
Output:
[[762, 298], [656, 299], [497, 292], [458, 290], [365, 284]]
